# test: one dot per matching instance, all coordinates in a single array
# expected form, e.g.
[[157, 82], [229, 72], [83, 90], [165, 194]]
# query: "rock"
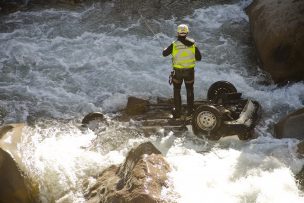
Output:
[[291, 126], [300, 149], [136, 106], [92, 117], [300, 178], [13, 186], [5, 129], [139, 179], [12, 132], [278, 31]]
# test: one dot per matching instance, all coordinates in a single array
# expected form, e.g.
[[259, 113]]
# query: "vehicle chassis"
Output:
[[224, 113]]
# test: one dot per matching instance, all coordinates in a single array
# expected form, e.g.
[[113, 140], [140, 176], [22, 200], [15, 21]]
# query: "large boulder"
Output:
[[291, 126], [139, 179], [278, 31], [13, 186]]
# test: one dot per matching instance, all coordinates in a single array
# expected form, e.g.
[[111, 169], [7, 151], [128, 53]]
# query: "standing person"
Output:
[[184, 55]]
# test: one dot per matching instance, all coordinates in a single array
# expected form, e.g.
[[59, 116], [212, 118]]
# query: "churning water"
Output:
[[61, 64]]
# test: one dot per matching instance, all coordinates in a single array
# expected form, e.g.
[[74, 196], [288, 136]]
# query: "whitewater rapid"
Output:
[[60, 64]]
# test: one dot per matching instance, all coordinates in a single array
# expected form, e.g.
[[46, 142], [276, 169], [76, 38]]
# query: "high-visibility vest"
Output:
[[182, 55]]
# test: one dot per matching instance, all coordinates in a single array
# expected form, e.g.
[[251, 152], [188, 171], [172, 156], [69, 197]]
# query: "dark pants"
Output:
[[181, 75]]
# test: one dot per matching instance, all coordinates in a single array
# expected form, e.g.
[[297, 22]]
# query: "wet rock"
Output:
[[12, 132], [136, 106], [13, 186], [291, 126], [139, 179], [300, 149], [300, 178], [278, 31], [92, 117], [5, 129]]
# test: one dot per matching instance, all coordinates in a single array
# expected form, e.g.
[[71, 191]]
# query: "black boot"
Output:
[[177, 103], [190, 99]]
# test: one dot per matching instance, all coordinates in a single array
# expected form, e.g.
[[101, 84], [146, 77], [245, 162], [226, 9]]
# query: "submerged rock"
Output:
[[139, 179], [278, 31], [13, 186], [92, 117], [291, 126]]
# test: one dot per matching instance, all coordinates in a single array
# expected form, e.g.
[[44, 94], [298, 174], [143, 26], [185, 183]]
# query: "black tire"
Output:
[[207, 120], [218, 88]]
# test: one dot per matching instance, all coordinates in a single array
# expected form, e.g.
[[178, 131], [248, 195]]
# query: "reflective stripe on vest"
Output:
[[183, 56]]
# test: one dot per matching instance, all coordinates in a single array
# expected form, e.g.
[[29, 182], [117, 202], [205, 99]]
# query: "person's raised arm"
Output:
[[167, 51]]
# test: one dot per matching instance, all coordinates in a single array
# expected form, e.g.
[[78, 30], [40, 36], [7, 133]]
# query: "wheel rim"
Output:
[[206, 120]]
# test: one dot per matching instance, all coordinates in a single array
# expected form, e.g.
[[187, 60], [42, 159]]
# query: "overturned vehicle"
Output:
[[224, 113]]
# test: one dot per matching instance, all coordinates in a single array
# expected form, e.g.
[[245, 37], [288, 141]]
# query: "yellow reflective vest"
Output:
[[182, 55]]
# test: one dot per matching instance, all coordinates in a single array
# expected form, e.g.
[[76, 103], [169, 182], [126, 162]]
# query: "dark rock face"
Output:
[[10, 6], [139, 179], [13, 186], [292, 126], [126, 8], [278, 31]]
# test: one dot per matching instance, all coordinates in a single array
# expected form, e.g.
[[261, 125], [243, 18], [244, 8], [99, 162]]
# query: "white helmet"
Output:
[[182, 30]]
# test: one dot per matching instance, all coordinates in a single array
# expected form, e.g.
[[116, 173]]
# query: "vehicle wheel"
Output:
[[219, 88], [207, 120]]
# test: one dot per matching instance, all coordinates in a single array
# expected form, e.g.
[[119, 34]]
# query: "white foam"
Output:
[[234, 173], [61, 161]]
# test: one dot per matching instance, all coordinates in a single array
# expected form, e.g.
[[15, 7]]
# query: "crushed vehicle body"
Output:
[[224, 113]]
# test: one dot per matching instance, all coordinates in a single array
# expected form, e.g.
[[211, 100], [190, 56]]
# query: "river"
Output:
[[58, 64]]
